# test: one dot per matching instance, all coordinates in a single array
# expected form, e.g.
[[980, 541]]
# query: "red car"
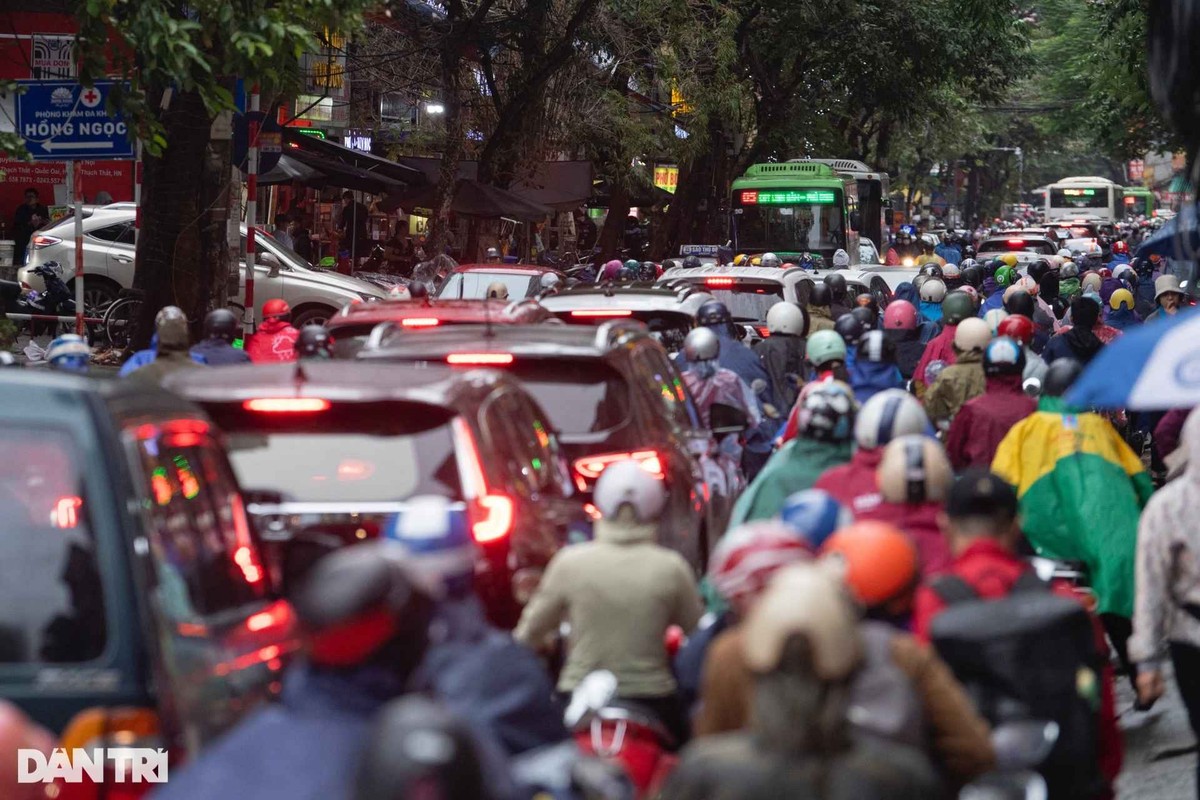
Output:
[[352, 325], [471, 281]]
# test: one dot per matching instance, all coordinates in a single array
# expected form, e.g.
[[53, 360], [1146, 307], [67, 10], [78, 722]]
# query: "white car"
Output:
[[314, 295]]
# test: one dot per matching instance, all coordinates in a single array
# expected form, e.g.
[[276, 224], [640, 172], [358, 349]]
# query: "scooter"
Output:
[[1020, 748]]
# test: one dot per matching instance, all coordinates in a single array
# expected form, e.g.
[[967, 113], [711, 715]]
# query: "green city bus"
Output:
[[794, 208], [1138, 201]]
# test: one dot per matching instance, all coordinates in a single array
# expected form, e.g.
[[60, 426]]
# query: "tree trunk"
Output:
[[176, 247], [452, 150], [612, 236]]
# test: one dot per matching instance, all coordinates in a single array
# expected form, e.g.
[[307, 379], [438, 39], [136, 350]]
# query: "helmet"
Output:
[[914, 470], [814, 515], [647, 271], [918, 281], [932, 271], [933, 290], [1038, 269], [820, 295], [900, 315], [891, 413], [70, 353], [747, 557], [971, 292], [492, 253], [787, 318], [627, 483], [877, 348], [826, 412], [1105, 273], [1028, 285], [276, 308], [1004, 356], [438, 541], [1018, 327], [417, 748], [1121, 296], [1143, 266], [713, 312], [1091, 282], [401, 292], [497, 290], [549, 281], [221, 323], [850, 328], [1059, 376], [418, 290], [1069, 269], [956, 307], [611, 270], [824, 347], [994, 318], [1018, 301], [692, 262], [841, 259], [171, 325], [1063, 253], [1005, 276], [808, 601], [837, 286], [314, 341], [1009, 260], [880, 561], [972, 335], [866, 300], [770, 260], [741, 260], [1120, 247], [632, 264], [951, 272], [968, 253], [701, 344]]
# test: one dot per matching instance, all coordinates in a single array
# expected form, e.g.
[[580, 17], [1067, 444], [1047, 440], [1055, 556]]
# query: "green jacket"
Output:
[[794, 468], [958, 383], [1082, 491]]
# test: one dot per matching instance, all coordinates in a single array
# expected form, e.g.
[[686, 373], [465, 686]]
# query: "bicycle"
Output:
[[121, 316]]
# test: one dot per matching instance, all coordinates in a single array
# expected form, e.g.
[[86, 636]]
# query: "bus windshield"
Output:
[[1080, 197], [789, 220], [1137, 205]]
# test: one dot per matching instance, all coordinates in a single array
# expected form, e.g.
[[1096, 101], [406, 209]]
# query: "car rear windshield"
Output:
[[474, 285], [351, 452], [51, 598], [748, 300], [579, 396]]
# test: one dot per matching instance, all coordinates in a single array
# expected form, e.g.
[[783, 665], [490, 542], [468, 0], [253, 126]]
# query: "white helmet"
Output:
[[993, 319], [841, 259], [787, 318], [891, 413], [972, 334], [701, 344], [952, 271], [933, 291], [548, 281], [627, 483], [1064, 253], [770, 260]]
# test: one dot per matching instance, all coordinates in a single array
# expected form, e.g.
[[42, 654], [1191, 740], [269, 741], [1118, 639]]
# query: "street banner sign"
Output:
[[65, 121]]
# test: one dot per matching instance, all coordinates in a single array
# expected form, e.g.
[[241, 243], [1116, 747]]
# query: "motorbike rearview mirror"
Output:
[[594, 692], [1023, 744], [724, 418]]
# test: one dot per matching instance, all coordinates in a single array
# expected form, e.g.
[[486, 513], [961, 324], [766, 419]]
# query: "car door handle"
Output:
[[123, 260]]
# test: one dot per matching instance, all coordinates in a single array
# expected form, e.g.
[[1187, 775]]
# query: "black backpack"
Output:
[[1029, 655]]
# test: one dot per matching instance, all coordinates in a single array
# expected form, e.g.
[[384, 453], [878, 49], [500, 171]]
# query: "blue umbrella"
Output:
[[1178, 239], [1152, 368]]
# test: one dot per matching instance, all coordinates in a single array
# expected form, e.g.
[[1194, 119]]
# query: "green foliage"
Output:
[[10, 143]]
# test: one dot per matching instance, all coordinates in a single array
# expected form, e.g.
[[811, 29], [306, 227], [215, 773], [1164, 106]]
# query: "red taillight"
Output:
[[1016, 242], [420, 322], [491, 514], [42, 240], [245, 556], [479, 359], [65, 513], [493, 518], [286, 405], [591, 466], [602, 312], [764, 331], [719, 282]]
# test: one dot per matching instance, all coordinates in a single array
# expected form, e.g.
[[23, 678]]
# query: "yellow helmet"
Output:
[[756, 261], [1009, 259], [739, 260], [1119, 297]]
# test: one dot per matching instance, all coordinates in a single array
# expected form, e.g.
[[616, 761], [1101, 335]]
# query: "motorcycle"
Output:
[[56, 300], [1020, 748]]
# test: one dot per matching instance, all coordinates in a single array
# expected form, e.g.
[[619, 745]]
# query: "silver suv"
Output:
[[108, 251]]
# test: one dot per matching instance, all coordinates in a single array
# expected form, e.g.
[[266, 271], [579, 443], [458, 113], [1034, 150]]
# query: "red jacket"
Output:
[[940, 348], [854, 485], [991, 570], [275, 341], [920, 522], [984, 421]]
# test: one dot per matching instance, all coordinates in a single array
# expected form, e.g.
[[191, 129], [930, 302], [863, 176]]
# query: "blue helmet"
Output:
[[909, 230], [438, 540], [713, 312], [814, 515], [70, 353]]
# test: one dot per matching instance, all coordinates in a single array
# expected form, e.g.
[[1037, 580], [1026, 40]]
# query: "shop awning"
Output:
[[312, 147], [474, 199], [346, 176], [289, 170], [561, 185]]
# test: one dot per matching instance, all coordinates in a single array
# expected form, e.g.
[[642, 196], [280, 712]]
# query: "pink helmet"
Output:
[[611, 270], [968, 289], [900, 315]]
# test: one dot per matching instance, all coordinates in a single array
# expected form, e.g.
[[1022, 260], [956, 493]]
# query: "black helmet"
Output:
[[850, 328], [418, 290], [956, 307], [1059, 376], [968, 252], [713, 312], [932, 271], [221, 323], [1142, 266], [865, 315], [821, 295], [417, 748], [647, 271], [877, 347], [691, 262], [314, 341], [1038, 269], [837, 286], [1020, 302], [973, 275], [1003, 356]]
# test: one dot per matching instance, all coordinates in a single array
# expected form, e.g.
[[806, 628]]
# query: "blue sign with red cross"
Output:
[[65, 121]]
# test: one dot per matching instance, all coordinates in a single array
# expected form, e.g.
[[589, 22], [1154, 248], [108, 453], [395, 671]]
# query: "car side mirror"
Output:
[[725, 419], [271, 262]]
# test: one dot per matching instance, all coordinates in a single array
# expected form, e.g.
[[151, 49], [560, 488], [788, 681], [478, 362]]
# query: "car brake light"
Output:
[[1016, 242], [479, 359], [42, 240], [491, 514], [719, 282], [602, 312], [420, 322], [764, 331], [591, 466], [65, 513], [286, 405], [493, 518]]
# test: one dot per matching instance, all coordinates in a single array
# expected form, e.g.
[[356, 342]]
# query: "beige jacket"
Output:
[[619, 593]]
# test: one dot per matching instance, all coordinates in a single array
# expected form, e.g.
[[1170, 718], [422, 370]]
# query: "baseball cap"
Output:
[[979, 493]]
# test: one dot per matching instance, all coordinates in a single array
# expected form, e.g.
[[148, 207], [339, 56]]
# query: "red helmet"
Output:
[[276, 307], [1120, 247], [743, 562], [900, 315], [1017, 326], [1105, 273]]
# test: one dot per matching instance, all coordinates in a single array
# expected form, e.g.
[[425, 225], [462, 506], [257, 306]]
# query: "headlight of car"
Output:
[[369, 298]]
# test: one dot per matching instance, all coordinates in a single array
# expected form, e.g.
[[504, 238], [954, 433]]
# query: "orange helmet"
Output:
[[881, 563], [276, 307]]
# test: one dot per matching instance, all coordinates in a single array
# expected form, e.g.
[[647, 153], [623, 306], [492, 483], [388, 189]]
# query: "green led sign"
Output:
[[789, 198], [314, 132], [1079, 192]]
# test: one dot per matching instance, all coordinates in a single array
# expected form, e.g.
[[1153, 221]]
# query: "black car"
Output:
[[611, 393], [134, 605], [330, 451]]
